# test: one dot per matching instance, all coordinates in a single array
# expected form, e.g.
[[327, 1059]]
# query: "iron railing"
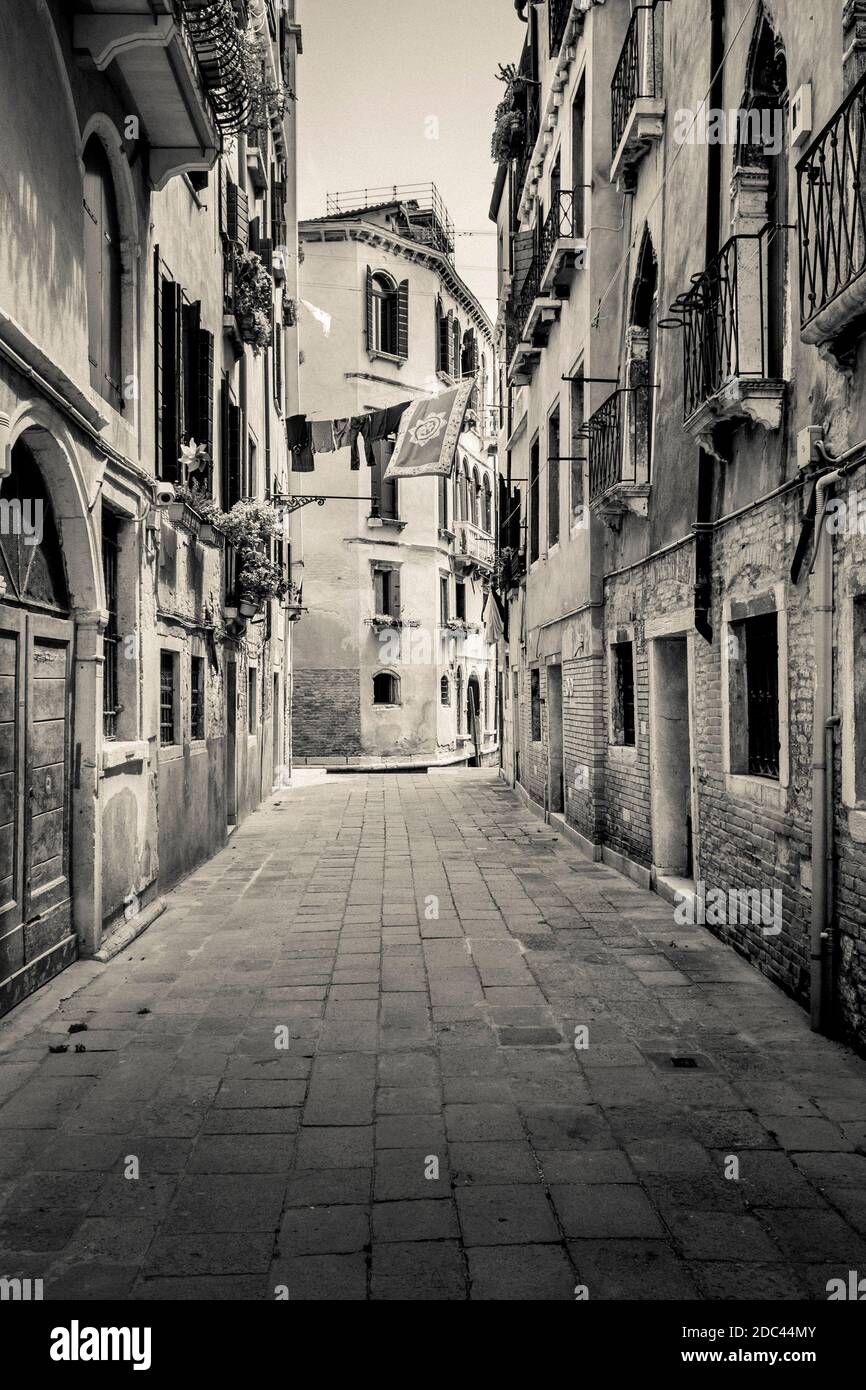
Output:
[[725, 318], [213, 31], [560, 10], [831, 190], [529, 85], [635, 73], [560, 223], [605, 431], [421, 204]]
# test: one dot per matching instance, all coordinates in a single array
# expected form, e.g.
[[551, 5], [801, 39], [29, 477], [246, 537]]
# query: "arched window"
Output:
[[387, 314], [386, 688], [477, 503], [459, 698], [487, 699], [488, 506], [644, 317], [445, 691], [471, 511], [103, 267]]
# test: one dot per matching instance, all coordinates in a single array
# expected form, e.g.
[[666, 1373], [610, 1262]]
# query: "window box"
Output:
[[182, 515]]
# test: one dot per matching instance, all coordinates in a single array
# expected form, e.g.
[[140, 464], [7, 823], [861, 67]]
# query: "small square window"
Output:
[[386, 689]]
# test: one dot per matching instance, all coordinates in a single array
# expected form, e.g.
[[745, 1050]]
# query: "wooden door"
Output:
[[35, 744], [47, 890]]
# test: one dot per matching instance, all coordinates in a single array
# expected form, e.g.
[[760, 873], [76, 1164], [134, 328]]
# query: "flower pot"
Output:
[[248, 607]]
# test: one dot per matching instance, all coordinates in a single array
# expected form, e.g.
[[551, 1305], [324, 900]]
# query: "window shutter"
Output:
[[278, 366], [235, 432], [190, 323], [238, 215], [449, 344], [266, 251], [470, 352], [171, 350], [456, 349], [224, 444], [204, 391], [254, 237], [437, 339], [224, 200], [396, 609], [371, 338], [157, 339], [403, 319]]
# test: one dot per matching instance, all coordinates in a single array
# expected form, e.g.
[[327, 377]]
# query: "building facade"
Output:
[[139, 401], [392, 662], [681, 234]]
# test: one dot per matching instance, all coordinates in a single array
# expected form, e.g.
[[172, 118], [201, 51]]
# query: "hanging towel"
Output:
[[342, 433], [323, 436], [299, 440]]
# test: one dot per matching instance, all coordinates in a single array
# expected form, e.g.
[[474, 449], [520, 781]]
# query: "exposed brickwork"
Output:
[[326, 713]]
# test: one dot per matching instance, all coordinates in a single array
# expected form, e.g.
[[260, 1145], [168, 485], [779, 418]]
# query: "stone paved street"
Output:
[[421, 1038]]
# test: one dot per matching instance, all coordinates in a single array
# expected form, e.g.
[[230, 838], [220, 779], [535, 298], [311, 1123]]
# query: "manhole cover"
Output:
[[679, 1061]]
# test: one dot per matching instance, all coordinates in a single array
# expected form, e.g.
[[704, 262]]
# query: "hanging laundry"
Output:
[[299, 440], [429, 432], [342, 435], [323, 436], [320, 315]]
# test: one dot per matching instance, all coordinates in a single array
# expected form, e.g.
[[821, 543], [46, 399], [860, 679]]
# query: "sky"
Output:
[[404, 91]]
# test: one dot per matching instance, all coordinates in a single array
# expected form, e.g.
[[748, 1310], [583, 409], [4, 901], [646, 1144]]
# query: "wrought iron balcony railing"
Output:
[[422, 214], [213, 31], [831, 186], [728, 321], [604, 429], [560, 11], [635, 73], [560, 223]]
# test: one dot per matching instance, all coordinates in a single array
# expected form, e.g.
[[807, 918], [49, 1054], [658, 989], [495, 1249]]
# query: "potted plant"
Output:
[[267, 98], [254, 291], [250, 527], [509, 128]]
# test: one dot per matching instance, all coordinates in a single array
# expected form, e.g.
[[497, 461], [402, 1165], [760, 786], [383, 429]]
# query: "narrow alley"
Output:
[[399, 1040]]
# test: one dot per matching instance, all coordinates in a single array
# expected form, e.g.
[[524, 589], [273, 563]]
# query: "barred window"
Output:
[[753, 666], [111, 638], [196, 698], [167, 698], [535, 693], [623, 694]]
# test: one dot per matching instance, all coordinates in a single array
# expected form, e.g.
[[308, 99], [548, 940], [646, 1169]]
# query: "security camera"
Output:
[[163, 493]]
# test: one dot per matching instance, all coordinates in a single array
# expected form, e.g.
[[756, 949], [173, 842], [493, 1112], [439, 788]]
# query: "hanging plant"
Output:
[[267, 99], [290, 312], [250, 527], [254, 292], [509, 127]]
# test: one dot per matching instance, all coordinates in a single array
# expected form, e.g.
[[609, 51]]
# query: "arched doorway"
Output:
[[36, 695]]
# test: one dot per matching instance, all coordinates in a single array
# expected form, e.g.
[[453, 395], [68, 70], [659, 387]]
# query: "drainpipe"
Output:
[[824, 723]]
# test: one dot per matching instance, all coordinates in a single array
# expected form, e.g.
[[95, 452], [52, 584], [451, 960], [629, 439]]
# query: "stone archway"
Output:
[[40, 431]]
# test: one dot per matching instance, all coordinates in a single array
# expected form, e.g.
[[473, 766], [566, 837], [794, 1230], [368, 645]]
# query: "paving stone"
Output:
[[335, 1147], [418, 1270], [324, 1230], [321, 1278], [632, 1270], [524, 1273], [605, 1210], [430, 1219], [498, 1163], [505, 1214]]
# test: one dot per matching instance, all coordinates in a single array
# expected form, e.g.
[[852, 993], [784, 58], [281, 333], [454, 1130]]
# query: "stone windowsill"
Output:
[[760, 791], [117, 753]]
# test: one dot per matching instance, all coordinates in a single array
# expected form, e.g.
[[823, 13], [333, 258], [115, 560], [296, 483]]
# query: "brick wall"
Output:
[[326, 713]]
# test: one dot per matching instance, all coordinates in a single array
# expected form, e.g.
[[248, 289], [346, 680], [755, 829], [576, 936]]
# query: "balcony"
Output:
[[412, 210], [532, 311], [831, 186], [732, 336], [619, 435], [637, 108], [475, 550], [562, 251], [179, 64]]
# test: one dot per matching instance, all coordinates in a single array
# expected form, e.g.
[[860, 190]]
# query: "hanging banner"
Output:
[[428, 434]]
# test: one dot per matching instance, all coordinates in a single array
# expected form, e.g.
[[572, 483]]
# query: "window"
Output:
[[535, 696], [460, 599], [469, 353], [487, 699], [470, 513], [753, 661], [533, 502], [488, 506], [578, 165], [383, 490], [168, 698], [103, 275], [111, 639], [553, 478], [458, 693], [623, 731], [252, 699], [444, 606], [445, 691], [386, 688], [386, 591], [387, 315], [196, 697], [476, 498], [443, 503], [577, 448], [184, 379]]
